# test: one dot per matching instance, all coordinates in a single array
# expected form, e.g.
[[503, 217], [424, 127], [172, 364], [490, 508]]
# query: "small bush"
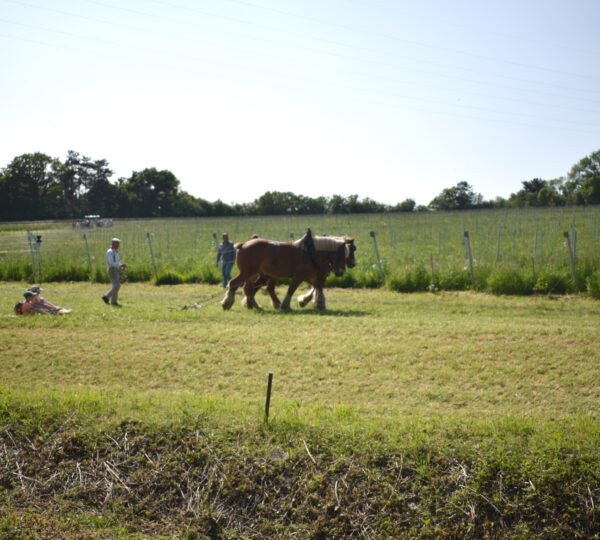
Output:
[[346, 281], [169, 277], [593, 285], [15, 272], [99, 275], [66, 272], [415, 279], [371, 279], [506, 281], [454, 280], [552, 281], [143, 273]]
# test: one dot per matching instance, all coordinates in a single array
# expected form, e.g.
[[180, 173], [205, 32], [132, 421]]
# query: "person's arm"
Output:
[[218, 254]]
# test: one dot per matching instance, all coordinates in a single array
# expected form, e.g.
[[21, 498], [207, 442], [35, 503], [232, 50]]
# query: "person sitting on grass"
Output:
[[38, 299], [33, 305]]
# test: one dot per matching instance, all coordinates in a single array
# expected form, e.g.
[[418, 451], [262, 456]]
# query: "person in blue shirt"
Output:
[[226, 255]]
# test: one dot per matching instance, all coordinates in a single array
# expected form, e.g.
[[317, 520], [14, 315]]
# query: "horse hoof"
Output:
[[227, 303]]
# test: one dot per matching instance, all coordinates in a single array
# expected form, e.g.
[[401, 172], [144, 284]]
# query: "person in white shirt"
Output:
[[113, 264]]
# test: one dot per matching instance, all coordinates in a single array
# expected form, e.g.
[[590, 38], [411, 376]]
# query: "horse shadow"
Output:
[[314, 313]]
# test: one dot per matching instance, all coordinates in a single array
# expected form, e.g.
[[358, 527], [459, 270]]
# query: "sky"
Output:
[[382, 99]]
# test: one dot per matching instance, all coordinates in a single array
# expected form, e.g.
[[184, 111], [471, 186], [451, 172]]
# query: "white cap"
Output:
[[116, 240]]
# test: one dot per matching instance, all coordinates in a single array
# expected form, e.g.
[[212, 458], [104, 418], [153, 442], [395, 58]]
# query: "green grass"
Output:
[[445, 405], [384, 353], [412, 247]]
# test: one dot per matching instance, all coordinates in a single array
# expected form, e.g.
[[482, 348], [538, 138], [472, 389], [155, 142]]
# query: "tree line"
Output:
[[37, 186]]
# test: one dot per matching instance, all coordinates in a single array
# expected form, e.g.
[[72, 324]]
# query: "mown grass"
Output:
[[454, 413]]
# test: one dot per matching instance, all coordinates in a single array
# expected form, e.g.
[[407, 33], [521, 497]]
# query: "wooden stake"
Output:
[[268, 402]]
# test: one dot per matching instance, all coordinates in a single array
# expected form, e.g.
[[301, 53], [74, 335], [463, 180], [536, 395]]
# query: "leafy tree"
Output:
[[25, 186], [581, 186], [151, 193], [408, 205], [458, 197]]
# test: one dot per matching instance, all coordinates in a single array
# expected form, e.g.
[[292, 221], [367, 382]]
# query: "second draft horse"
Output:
[[265, 262]]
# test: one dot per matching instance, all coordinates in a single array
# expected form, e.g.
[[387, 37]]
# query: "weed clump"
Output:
[[508, 281], [593, 285], [412, 280]]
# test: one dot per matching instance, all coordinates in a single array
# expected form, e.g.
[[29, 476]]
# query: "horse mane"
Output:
[[328, 243]]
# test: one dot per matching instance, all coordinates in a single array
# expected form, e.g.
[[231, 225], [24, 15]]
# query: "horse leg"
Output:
[[304, 299], [285, 305], [250, 289], [271, 290], [232, 286], [319, 301]]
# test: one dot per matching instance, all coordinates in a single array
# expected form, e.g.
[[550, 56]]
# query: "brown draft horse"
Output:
[[263, 262]]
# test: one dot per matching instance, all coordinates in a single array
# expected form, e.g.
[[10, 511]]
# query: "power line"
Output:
[[370, 102], [327, 53]]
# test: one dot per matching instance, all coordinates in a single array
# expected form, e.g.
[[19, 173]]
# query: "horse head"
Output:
[[339, 252], [349, 249]]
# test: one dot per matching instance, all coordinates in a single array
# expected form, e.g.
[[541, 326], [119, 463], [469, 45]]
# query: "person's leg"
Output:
[[113, 294], [228, 268], [226, 272]]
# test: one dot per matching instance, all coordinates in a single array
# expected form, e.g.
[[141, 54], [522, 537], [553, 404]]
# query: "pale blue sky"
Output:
[[388, 100]]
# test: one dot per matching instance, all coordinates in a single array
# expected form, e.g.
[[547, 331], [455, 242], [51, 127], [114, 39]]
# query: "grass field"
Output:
[[428, 415]]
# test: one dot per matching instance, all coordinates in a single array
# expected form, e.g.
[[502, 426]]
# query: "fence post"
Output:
[[87, 249], [566, 235], [373, 235], [432, 274], [268, 402], [29, 235], [152, 254], [468, 246], [498, 246]]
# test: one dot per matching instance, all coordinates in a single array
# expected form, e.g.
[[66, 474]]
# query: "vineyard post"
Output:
[[566, 235], [533, 267], [373, 235], [87, 249], [432, 274], [498, 246], [414, 241], [268, 402], [152, 254], [29, 235], [467, 242]]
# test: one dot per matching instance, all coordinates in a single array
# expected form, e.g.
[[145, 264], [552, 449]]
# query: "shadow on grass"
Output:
[[314, 312]]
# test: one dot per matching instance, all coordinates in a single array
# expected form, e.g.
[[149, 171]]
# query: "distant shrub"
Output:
[[66, 272], [99, 275], [346, 281], [553, 281], [142, 273], [415, 279], [454, 280], [371, 279], [593, 285], [13, 271], [169, 277], [508, 281]]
